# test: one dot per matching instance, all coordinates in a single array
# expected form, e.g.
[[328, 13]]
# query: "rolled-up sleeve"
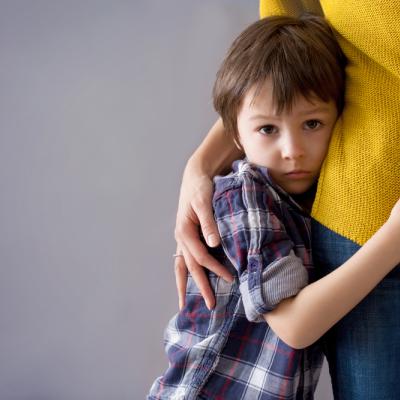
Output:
[[255, 240]]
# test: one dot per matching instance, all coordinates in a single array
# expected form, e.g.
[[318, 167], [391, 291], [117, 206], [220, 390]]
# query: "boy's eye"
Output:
[[312, 124], [268, 129]]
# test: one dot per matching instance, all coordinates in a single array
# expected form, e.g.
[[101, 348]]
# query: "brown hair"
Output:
[[300, 55]]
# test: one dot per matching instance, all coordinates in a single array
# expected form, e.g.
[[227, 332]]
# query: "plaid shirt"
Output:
[[230, 352]]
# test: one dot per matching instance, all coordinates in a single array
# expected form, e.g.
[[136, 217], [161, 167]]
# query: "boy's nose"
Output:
[[292, 148]]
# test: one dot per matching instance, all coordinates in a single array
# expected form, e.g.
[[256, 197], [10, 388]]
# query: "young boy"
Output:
[[279, 92]]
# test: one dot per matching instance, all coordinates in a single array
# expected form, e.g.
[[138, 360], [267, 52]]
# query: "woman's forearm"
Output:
[[216, 153], [304, 318]]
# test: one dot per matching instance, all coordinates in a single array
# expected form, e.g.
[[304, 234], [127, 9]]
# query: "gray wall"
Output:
[[101, 104]]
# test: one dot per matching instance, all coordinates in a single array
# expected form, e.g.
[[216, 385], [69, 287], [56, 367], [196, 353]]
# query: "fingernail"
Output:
[[208, 304], [212, 240]]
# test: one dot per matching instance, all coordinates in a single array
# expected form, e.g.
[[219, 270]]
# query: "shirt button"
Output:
[[253, 265]]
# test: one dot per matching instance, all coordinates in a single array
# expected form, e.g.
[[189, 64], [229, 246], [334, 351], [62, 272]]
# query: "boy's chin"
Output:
[[296, 188]]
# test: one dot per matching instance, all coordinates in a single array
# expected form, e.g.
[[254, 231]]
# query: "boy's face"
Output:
[[292, 145]]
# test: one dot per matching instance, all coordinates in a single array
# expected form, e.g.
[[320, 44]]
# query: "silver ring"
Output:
[[177, 255]]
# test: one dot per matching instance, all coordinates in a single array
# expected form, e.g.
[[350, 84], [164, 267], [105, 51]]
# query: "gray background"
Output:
[[102, 102]]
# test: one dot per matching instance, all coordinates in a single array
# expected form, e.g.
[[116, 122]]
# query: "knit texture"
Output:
[[360, 179]]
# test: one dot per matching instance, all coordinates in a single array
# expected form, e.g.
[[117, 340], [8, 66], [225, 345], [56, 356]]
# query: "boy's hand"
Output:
[[194, 210]]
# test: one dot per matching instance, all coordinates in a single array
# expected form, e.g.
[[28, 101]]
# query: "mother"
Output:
[[358, 185]]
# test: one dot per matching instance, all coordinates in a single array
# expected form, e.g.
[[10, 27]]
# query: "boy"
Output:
[[279, 91]]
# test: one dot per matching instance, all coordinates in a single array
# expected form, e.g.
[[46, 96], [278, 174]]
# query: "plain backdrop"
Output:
[[101, 104]]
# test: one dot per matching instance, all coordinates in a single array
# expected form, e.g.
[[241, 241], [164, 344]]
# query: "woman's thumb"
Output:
[[209, 229]]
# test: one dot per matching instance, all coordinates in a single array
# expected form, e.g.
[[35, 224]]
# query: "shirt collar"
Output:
[[262, 174]]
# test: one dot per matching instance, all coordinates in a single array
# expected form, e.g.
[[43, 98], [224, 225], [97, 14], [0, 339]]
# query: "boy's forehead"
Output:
[[260, 95], [259, 102]]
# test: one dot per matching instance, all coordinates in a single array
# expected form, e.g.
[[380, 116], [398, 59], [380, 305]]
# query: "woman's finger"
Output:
[[200, 277], [190, 241], [181, 274], [208, 225]]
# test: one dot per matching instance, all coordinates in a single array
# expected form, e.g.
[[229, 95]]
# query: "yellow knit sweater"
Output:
[[360, 179]]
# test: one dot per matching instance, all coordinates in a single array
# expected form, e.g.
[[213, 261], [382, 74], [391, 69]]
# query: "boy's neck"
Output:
[[306, 199]]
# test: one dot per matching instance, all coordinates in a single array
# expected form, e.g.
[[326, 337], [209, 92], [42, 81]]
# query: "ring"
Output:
[[177, 255]]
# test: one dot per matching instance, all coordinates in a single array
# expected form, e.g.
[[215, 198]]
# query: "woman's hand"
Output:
[[194, 212]]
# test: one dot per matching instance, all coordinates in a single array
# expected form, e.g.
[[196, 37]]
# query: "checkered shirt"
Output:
[[230, 352]]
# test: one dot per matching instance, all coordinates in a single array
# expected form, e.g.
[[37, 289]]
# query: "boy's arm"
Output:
[[303, 319], [255, 241], [213, 156]]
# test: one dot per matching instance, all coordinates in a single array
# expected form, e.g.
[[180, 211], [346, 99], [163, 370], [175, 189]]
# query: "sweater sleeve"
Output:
[[256, 242], [289, 7]]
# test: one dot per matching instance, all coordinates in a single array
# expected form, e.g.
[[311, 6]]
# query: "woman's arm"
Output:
[[213, 156], [216, 153], [301, 320]]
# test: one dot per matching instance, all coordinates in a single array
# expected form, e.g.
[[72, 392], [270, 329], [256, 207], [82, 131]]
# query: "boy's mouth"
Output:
[[298, 174]]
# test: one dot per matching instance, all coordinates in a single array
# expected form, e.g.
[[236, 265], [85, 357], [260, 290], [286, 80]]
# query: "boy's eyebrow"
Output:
[[321, 109], [263, 116], [316, 110]]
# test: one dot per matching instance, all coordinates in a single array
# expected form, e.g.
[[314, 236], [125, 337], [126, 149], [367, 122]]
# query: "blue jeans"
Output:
[[363, 349]]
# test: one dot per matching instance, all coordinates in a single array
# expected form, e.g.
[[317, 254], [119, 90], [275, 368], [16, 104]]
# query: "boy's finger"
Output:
[[181, 274], [200, 278]]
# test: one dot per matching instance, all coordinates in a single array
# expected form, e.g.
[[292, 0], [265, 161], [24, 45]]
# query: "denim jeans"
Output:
[[363, 349]]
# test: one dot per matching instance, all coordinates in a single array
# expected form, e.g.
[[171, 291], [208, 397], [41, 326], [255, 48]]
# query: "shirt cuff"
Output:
[[262, 290]]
